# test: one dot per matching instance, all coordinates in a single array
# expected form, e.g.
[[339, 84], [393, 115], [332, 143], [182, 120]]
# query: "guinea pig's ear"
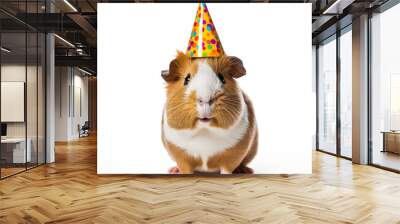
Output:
[[175, 67], [165, 75], [171, 74], [236, 67]]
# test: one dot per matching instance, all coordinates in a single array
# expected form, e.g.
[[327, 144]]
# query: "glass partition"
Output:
[[14, 153], [22, 100], [327, 96]]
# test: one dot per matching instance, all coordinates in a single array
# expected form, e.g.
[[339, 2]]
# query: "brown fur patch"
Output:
[[227, 107], [242, 153], [181, 110]]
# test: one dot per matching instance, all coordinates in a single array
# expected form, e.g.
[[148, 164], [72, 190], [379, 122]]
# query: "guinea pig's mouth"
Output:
[[205, 119]]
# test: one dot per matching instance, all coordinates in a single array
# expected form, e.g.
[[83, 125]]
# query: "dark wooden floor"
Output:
[[70, 191]]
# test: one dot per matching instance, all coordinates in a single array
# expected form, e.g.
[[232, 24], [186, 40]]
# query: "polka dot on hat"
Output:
[[204, 40]]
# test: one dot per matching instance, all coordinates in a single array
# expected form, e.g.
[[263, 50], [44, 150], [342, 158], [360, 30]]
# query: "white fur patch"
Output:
[[204, 141], [206, 84]]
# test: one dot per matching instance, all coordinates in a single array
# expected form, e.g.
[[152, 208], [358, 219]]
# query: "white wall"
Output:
[[70, 83], [62, 81]]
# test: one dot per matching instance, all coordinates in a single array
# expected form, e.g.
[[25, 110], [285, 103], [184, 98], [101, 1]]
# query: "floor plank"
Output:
[[70, 191]]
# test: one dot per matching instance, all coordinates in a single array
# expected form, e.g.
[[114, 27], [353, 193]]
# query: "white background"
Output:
[[137, 41]]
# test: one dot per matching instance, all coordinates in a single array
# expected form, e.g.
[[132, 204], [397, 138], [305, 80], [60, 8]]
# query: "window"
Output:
[[327, 96], [385, 89], [346, 93]]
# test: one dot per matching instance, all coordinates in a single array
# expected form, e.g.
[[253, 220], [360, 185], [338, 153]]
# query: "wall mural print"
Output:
[[234, 97]]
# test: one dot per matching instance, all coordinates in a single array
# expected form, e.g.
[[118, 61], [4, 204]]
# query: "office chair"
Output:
[[84, 130]]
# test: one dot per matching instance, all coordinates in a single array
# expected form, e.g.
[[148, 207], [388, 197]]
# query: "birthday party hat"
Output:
[[204, 40]]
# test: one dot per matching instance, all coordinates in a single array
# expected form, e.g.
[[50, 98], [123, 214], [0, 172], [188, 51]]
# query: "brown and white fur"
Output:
[[208, 122]]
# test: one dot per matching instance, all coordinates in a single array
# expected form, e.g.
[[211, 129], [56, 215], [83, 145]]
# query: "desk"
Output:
[[391, 141], [13, 150]]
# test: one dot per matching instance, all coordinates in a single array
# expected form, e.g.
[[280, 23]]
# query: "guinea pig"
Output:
[[208, 123]]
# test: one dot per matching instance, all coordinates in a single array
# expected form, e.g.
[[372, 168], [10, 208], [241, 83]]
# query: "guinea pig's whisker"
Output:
[[175, 106], [173, 110], [218, 96], [233, 113], [233, 102], [232, 105], [232, 98], [176, 96], [230, 113], [177, 102]]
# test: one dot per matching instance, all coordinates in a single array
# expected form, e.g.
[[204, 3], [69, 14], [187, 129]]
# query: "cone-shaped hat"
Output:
[[204, 40]]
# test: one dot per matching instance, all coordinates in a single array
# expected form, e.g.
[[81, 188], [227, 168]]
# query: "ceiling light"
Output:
[[338, 6], [84, 71], [65, 41], [79, 51], [5, 50], [70, 5]]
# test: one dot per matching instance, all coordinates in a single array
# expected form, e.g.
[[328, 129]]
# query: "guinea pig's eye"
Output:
[[221, 78], [187, 79]]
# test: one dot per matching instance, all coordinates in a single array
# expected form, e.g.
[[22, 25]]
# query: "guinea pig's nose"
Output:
[[202, 101]]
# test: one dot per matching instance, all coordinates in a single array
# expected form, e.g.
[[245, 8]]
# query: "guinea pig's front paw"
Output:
[[225, 171], [173, 170]]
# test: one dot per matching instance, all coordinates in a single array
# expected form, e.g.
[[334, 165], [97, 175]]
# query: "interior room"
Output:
[[48, 104], [22, 103]]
